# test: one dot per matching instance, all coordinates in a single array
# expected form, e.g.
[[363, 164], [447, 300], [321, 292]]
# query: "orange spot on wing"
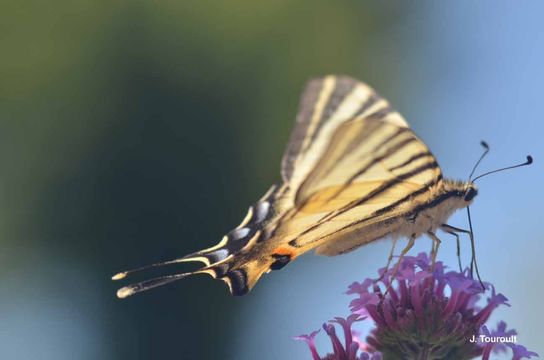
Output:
[[284, 252]]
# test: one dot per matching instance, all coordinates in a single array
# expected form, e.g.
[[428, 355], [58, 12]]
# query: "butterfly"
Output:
[[353, 173]]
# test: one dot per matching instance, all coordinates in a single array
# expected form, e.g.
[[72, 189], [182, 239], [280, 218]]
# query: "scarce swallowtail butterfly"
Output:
[[353, 173]]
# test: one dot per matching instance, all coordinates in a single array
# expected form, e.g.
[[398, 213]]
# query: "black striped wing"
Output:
[[325, 105], [351, 172], [354, 167]]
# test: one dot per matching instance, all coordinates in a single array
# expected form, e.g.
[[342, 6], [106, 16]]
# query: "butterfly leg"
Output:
[[404, 251], [455, 230], [434, 250], [391, 253], [458, 248], [447, 227]]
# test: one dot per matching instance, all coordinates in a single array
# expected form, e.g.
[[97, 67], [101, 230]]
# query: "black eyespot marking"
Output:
[[281, 261], [238, 280], [470, 194]]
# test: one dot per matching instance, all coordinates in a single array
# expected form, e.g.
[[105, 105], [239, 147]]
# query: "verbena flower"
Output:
[[422, 313], [349, 349]]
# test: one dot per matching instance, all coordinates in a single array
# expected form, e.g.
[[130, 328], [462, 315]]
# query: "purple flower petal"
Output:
[[359, 288], [336, 345], [420, 310], [310, 341], [359, 305], [520, 352], [346, 326]]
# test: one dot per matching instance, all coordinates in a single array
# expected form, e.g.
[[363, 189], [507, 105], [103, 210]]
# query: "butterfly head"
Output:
[[463, 192], [470, 192]]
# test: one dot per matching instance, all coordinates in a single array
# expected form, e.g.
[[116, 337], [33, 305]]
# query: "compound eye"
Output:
[[470, 194]]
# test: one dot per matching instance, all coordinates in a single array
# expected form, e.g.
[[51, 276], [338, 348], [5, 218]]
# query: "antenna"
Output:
[[486, 150], [529, 161]]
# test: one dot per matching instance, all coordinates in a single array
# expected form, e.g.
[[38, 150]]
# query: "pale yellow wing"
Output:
[[369, 150], [371, 173], [325, 105]]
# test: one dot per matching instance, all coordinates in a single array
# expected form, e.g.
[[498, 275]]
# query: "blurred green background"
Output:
[[133, 132]]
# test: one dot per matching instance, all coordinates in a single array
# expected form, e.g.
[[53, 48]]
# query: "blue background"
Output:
[[137, 132]]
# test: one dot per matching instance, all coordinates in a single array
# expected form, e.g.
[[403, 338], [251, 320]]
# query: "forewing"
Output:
[[369, 149], [369, 172], [325, 105]]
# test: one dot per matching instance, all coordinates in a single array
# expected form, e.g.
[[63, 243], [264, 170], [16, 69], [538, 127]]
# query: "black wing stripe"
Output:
[[380, 114], [370, 129], [342, 89], [372, 99], [410, 160], [388, 139], [397, 203], [391, 151]]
